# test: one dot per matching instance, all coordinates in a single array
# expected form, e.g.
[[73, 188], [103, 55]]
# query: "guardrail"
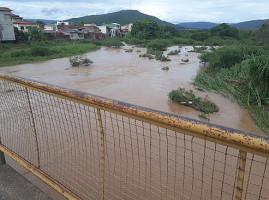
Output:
[[89, 147]]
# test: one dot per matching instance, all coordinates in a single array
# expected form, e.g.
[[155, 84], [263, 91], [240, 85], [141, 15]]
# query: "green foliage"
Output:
[[201, 35], [258, 71], [146, 29], [37, 50], [175, 52], [158, 44], [185, 60], [203, 116], [158, 55], [77, 61], [224, 30], [247, 82], [165, 68], [226, 57], [262, 34], [35, 34], [20, 35], [25, 52], [188, 98], [112, 42], [128, 50], [146, 55]]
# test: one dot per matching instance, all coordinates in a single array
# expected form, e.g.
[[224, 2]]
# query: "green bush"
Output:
[[188, 98], [40, 51], [228, 56], [160, 44]]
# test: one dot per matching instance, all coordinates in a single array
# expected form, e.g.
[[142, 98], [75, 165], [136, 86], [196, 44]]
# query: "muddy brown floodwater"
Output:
[[127, 77]]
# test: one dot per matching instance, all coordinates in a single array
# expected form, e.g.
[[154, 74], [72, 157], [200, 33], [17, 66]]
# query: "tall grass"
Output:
[[246, 82], [12, 54]]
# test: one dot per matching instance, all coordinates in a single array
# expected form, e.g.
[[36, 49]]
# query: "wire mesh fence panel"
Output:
[[95, 152], [144, 161], [16, 126]]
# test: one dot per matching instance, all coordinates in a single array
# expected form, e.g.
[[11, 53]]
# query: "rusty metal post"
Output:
[[34, 128], [102, 153], [240, 175]]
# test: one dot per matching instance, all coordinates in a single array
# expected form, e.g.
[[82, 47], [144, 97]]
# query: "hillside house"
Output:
[[70, 34], [50, 27], [105, 30], [24, 25], [6, 26], [127, 27]]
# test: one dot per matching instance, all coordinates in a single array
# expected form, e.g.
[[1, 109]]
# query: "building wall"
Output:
[[6, 27], [50, 27], [24, 27]]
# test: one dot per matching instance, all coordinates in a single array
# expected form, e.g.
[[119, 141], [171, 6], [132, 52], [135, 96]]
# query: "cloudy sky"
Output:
[[169, 10]]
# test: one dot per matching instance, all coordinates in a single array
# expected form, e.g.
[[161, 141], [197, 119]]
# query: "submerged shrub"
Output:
[[80, 61], [188, 98]]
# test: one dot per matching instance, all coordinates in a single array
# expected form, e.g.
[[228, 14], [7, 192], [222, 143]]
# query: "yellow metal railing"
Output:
[[90, 147]]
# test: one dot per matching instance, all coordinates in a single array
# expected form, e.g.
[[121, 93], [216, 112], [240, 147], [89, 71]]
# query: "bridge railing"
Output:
[[90, 147]]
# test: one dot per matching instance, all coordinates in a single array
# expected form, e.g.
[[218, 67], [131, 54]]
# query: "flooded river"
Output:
[[146, 162], [127, 77]]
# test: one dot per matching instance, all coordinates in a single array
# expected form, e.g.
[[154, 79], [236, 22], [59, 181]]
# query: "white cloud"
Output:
[[168, 10]]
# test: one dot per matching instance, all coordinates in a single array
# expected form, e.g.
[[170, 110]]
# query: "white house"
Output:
[[50, 27], [24, 25], [6, 25], [104, 29]]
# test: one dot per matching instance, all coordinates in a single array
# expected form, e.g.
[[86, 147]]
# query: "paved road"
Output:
[[13, 186]]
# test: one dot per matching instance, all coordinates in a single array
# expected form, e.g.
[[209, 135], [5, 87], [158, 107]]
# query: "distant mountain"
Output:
[[121, 17], [250, 24], [207, 25], [197, 25], [46, 21]]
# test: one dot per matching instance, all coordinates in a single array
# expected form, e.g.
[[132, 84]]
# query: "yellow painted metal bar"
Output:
[[230, 137], [240, 175], [40, 174], [34, 128], [102, 153]]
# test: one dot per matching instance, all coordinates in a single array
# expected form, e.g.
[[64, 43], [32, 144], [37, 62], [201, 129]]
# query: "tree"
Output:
[[224, 30], [35, 34], [263, 32], [146, 29], [19, 35], [171, 30], [200, 36]]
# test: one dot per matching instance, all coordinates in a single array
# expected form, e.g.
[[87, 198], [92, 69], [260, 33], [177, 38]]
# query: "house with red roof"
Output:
[[6, 25]]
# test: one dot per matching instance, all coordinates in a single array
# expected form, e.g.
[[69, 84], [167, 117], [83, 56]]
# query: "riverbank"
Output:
[[239, 75], [28, 52]]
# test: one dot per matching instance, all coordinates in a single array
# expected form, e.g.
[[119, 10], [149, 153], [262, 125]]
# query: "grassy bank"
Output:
[[20, 53], [244, 78]]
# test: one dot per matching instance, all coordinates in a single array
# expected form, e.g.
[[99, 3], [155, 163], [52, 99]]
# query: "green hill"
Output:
[[122, 17], [250, 24]]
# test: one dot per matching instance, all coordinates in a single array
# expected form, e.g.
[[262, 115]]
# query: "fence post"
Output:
[[102, 153], [34, 128], [240, 174]]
